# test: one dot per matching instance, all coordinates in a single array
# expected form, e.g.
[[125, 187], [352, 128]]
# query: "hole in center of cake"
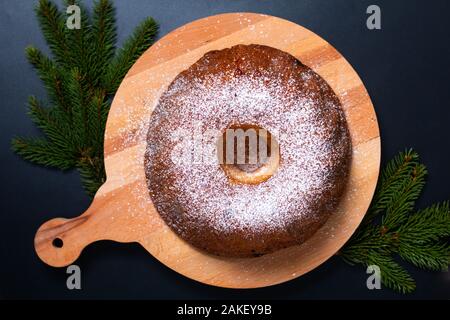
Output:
[[248, 154]]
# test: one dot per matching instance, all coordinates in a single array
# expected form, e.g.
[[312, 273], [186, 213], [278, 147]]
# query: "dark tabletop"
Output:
[[405, 67]]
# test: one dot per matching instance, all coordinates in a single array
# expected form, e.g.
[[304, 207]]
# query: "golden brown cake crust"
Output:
[[265, 87]]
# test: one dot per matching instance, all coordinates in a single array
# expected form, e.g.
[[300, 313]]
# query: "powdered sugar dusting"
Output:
[[294, 104]]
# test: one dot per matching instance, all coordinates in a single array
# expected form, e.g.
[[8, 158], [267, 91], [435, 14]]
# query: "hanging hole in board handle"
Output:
[[58, 242]]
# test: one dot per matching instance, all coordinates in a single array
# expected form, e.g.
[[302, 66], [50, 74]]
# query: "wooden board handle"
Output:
[[59, 242]]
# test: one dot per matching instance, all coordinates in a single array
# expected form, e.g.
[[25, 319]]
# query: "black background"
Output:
[[405, 67]]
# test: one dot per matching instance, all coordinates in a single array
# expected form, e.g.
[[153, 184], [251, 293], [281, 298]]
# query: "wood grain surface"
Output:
[[122, 209]]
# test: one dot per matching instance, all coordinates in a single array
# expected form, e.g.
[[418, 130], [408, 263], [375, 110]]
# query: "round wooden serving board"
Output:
[[122, 210]]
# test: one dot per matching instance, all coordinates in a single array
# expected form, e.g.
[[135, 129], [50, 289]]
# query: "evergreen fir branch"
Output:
[[51, 76], [404, 200], [57, 131], [370, 238], [104, 35], [53, 28], [97, 111], [421, 237], [390, 182], [78, 98], [143, 36], [433, 256], [76, 79], [392, 274], [80, 40], [42, 152], [418, 238], [92, 173], [427, 225]]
